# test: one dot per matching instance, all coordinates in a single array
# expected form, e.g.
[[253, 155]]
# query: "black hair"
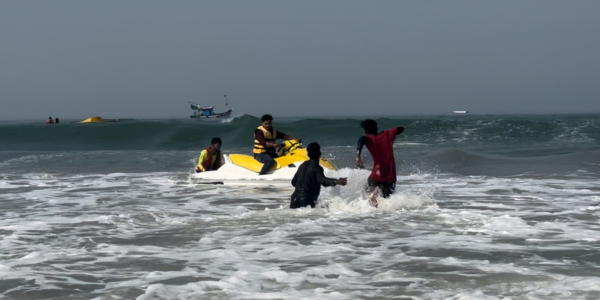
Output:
[[314, 150], [266, 117], [216, 140], [370, 126]]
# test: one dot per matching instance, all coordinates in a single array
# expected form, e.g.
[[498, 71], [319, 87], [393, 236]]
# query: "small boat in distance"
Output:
[[460, 111], [98, 120], [201, 112]]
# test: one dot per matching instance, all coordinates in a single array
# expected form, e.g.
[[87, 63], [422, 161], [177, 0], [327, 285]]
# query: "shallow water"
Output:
[[463, 224], [158, 236]]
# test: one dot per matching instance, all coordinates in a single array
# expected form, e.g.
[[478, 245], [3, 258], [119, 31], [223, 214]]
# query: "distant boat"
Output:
[[201, 112], [98, 120], [460, 111]]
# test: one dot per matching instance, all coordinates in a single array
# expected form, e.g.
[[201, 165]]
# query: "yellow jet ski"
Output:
[[289, 154], [243, 169]]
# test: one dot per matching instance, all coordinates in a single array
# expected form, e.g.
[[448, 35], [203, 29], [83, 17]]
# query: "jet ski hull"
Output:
[[243, 169]]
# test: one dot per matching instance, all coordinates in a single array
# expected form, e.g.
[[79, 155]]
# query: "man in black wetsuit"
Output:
[[309, 178]]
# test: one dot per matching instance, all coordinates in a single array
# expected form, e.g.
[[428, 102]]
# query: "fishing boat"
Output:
[[201, 112]]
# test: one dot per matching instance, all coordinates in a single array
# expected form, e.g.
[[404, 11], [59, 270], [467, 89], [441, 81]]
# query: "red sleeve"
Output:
[[391, 133], [260, 137]]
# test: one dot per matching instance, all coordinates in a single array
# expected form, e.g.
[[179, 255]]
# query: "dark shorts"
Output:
[[302, 201], [386, 188]]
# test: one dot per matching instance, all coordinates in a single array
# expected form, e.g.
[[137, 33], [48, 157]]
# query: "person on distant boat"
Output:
[[265, 144], [309, 178], [381, 146], [56, 120], [210, 158], [49, 121]]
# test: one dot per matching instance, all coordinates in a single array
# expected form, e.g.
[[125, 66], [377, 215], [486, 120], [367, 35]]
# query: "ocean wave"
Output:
[[481, 133]]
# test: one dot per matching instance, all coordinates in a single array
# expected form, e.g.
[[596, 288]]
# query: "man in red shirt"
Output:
[[381, 146]]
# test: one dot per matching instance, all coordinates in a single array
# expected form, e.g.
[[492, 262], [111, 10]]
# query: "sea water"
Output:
[[486, 207]]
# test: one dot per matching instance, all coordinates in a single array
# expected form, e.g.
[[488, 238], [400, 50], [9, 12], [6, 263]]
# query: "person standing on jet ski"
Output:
[[265, 143], [210, 158], [309, 178]]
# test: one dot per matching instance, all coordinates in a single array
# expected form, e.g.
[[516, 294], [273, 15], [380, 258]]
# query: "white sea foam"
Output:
[[158, 236]]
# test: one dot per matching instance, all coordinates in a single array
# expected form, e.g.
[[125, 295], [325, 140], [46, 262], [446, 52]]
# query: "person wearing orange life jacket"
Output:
[[210, 158], [265, 143]]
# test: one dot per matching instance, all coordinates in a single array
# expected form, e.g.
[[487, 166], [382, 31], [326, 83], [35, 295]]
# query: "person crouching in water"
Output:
[[210, 158], [309, 178]]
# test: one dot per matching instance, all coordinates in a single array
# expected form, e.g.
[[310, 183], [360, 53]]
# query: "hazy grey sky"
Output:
[[147, 59]]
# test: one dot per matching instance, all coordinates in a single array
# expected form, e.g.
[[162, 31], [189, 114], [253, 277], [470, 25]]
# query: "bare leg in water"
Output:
[[373, 197]]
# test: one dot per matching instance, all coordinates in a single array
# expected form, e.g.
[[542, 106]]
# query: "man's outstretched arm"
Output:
[[326, 181], [399, 130]]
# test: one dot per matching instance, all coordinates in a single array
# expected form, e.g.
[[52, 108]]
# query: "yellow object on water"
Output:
[[97, 120], [295, 156], [326, 164], [249, 162]]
